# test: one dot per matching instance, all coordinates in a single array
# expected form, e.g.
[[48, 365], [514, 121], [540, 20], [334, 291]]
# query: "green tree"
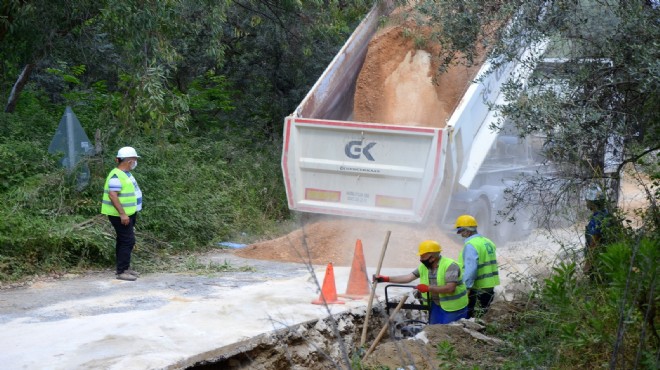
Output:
[[600, 100], [201, 88], [593, 96]]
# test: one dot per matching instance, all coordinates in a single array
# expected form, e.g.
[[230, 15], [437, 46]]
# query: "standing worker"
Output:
[[122, 200], [440, 277], [479, 260], [596, 233]]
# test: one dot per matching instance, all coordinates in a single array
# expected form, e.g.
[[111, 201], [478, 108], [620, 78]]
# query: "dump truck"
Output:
[[334, 165]]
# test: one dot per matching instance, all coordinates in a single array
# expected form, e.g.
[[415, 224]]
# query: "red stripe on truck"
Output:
[[310, 121], [285, 159]]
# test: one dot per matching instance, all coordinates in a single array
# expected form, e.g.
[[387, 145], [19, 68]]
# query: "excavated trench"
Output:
[[317, 344], [333, 343]]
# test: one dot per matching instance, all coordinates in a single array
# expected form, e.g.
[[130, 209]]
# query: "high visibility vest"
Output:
[[487, 272], [127, 196], [452, 301]]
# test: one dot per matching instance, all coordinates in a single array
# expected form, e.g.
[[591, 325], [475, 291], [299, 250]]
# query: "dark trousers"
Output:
[[125, 241], [484, 296]]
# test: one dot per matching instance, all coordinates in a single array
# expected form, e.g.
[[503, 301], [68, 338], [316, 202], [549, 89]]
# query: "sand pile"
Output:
[[400, 83], [333, 240]]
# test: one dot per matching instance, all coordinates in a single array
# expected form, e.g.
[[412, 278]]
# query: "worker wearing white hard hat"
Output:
[[122, 200]]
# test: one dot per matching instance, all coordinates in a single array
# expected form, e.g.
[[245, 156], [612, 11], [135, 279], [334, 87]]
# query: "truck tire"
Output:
[[500, 233], [481, 212]]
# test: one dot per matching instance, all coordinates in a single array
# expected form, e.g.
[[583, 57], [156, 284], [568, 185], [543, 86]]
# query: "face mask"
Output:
[[133, 165], [427, 262]]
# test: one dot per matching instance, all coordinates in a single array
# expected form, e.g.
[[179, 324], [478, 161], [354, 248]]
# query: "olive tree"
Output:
[[594, 92], [594, 97]]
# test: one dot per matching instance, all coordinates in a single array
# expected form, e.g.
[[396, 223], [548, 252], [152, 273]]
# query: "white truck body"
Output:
[[362, 169], [332, 165]]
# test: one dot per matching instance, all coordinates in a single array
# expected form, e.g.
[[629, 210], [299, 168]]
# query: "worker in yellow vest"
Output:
[[122, 200], [478, 260], [440, 283]]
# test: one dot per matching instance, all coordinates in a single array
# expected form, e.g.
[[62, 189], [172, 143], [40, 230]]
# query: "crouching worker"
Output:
[[440, 278]]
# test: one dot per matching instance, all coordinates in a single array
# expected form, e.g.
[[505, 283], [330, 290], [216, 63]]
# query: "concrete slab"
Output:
[[167, 321], [160, 320]]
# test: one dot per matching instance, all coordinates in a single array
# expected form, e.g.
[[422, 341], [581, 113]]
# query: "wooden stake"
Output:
[[363, 339], [387, 324]]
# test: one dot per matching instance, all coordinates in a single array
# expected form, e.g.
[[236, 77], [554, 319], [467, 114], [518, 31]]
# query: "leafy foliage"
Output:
[[576, 323], [592, 93], [199, 88], [592, 98]]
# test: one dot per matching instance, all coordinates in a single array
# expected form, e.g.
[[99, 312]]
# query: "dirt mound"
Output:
[[459, 345], [446, 346], [399, 82], [330, 239]]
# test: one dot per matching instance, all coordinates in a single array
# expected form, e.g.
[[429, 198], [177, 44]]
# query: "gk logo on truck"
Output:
[[354, 149]]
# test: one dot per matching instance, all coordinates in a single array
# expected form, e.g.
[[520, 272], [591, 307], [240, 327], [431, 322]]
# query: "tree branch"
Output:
[[636, 158], [18, 87]]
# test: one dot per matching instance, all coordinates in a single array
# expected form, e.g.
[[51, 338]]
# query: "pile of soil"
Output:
[[461, 345], [401, 84], [330, 239]]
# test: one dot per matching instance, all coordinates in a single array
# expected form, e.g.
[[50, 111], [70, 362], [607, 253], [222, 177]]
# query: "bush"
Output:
[[579, 324], [196, 192], [200, 191]]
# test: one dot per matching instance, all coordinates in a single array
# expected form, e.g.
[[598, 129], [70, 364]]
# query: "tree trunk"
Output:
[[18, 87]]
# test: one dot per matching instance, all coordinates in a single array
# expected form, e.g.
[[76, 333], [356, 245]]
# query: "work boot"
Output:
[[132, 272], [126, 276]]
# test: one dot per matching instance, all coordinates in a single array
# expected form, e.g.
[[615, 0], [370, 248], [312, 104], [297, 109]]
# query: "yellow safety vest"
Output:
[[452, 301], [487, 272], [127, 196]]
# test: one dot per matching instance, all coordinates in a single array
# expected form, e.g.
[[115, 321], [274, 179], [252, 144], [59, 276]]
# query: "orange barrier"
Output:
[[358, 281], [329, 291]]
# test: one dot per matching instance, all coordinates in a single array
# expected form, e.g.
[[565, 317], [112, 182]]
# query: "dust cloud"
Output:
[[398, 84], [331, 239]]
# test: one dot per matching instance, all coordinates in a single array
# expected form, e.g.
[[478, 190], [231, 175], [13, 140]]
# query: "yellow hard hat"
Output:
[[465, 221], [428, 246]]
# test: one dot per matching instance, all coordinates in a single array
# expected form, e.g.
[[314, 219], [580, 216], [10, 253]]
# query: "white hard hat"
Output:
[[127, 152], [594, 193]]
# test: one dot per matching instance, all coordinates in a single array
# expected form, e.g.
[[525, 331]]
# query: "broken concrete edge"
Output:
[[346, 321], [328, 340]]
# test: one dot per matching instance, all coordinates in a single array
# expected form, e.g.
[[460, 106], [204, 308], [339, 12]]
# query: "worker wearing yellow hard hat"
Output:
[[441, 283], [479, 262]]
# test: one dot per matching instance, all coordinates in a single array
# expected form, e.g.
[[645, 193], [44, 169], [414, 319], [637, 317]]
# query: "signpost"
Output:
[[71, 139]]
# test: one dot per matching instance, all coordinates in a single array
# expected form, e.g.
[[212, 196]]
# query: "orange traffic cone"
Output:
[[329, 291], [358, 281]]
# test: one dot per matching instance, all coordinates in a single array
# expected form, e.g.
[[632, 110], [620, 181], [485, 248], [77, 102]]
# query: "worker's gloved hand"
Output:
[[381, 278], [423, 288]]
